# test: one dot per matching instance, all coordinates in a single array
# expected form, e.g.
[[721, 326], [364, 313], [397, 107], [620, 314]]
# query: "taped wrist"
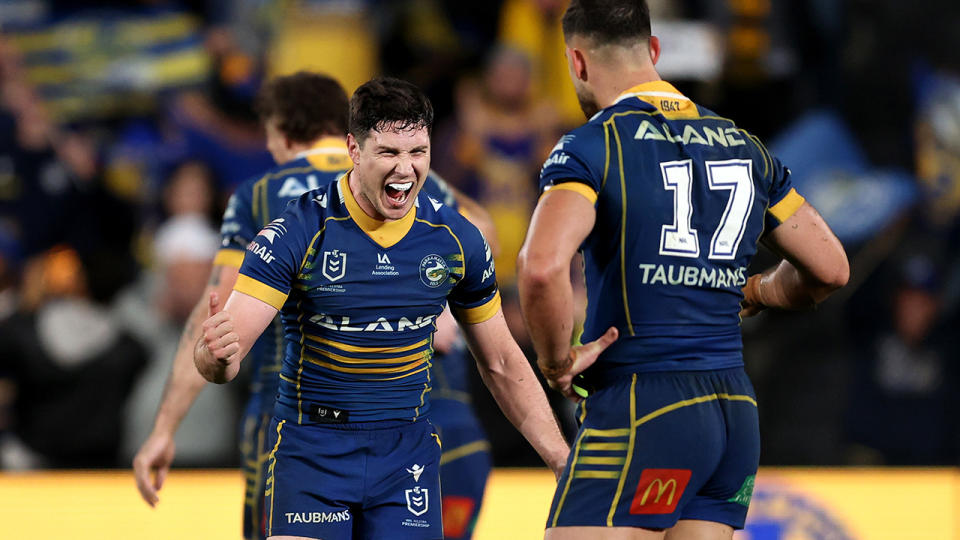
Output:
[[556, 371]]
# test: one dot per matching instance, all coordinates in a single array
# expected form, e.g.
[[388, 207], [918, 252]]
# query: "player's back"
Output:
[[682, 198]]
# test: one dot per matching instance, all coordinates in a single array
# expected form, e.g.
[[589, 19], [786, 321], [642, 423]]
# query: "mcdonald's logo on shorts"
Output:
[[659, 491]]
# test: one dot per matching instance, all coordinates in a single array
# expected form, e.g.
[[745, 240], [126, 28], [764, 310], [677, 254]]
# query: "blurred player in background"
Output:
[[304, 116], [668, 202], [359, 270]]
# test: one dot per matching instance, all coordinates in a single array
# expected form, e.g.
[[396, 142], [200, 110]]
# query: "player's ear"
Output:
[[353, 147], [654, 45], [578, 63]]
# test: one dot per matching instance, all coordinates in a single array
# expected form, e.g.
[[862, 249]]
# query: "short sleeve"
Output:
[[238, 228], [568, 167], [475, 298], [275, 256], [784, 199]]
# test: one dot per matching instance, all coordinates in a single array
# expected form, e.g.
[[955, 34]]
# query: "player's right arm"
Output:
[[272, 261], [814, 266]]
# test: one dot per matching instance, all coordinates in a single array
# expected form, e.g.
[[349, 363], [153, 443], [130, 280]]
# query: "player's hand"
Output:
[[751, 304], [582, 357], [219, 346], [151, 465]]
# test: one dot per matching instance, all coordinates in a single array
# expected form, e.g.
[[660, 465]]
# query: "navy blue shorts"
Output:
[[464, 465], [655, 448], [255, 445], [354, 480]]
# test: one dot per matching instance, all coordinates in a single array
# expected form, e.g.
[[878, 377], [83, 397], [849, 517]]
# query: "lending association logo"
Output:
[[334, 265], [418, 500], [433, 271]]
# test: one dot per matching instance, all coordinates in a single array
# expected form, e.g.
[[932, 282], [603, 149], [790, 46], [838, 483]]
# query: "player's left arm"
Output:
[[562, 220], [511, 380]]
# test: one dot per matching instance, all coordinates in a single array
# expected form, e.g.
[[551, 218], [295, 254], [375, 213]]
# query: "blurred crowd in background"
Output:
[[124, 127]]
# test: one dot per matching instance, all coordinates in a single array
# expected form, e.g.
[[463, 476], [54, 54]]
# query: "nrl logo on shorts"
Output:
[[334, 265], [417, 500]]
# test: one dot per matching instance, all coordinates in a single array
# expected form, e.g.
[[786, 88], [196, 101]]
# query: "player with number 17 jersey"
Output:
[[682, 197]]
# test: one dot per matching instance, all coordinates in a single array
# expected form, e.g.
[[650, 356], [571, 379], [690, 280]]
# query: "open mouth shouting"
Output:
[[397, 193]]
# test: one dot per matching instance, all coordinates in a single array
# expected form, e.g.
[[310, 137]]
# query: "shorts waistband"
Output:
[[310, 418]]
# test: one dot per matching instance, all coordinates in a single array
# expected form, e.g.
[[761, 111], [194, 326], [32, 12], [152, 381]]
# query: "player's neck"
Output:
[[614, 84]]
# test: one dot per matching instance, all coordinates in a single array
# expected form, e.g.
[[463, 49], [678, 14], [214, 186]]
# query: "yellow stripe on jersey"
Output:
[[576, 187], [229, 257], [384, 233], [479, 314], [349, 360], [787, 206], [359, 349], [395, 369], [261, 291]]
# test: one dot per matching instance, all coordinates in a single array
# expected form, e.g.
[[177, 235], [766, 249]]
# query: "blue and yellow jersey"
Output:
[[682, 197], [260, 200], [358, 299]]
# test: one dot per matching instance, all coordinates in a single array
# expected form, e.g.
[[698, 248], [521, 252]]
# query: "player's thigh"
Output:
[[464, 468], [403, 479], [313, 483], [256, 444], [692, 529], [602, 533]]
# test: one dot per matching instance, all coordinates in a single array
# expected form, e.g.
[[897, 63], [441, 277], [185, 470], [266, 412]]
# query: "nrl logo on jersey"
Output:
[[334, 265]]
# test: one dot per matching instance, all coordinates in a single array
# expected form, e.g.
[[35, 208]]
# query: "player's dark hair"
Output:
[[386, 101], [306, 106], [607, 22]]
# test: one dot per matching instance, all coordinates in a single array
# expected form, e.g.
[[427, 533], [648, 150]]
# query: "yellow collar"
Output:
[[652, 89], [384, 233], [328, 154], [662, 95]]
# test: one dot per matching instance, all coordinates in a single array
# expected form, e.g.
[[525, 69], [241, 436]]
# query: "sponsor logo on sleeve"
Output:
[[274, 229]]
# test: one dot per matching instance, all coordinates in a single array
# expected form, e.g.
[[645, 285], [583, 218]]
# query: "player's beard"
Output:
[[588, 103]]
